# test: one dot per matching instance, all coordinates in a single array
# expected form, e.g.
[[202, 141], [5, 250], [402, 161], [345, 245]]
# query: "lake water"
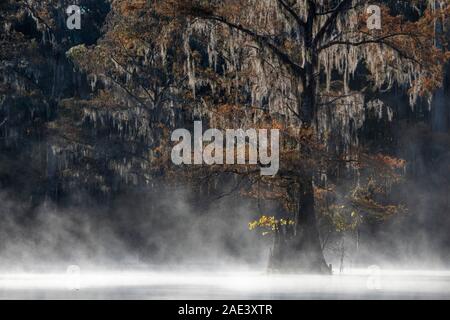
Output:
[[352, 284]]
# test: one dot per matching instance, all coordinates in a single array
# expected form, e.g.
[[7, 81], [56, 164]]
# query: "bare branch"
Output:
[[329, 23], [291, 11], [261, 39]]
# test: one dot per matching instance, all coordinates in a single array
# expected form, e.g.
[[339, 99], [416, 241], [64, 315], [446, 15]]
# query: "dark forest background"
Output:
[[74, 187]]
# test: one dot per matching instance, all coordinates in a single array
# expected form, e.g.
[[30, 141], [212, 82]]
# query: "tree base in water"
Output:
[[297, 255], [298, 267]]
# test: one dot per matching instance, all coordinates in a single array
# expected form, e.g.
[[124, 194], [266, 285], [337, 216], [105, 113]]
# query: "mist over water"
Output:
[[166, 230], [193, 285], [163, 229], [163, 247]]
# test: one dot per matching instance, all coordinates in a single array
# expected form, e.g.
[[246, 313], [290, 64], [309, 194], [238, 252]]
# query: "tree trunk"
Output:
[[307, 243], [303, 252]]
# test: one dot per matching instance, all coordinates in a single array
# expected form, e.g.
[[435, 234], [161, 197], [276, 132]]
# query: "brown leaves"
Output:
[[391, 162], [416, 41], [190, 8], [128, 6]]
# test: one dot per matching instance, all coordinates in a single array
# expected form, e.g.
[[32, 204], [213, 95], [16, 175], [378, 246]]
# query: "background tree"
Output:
[[317, 47]]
